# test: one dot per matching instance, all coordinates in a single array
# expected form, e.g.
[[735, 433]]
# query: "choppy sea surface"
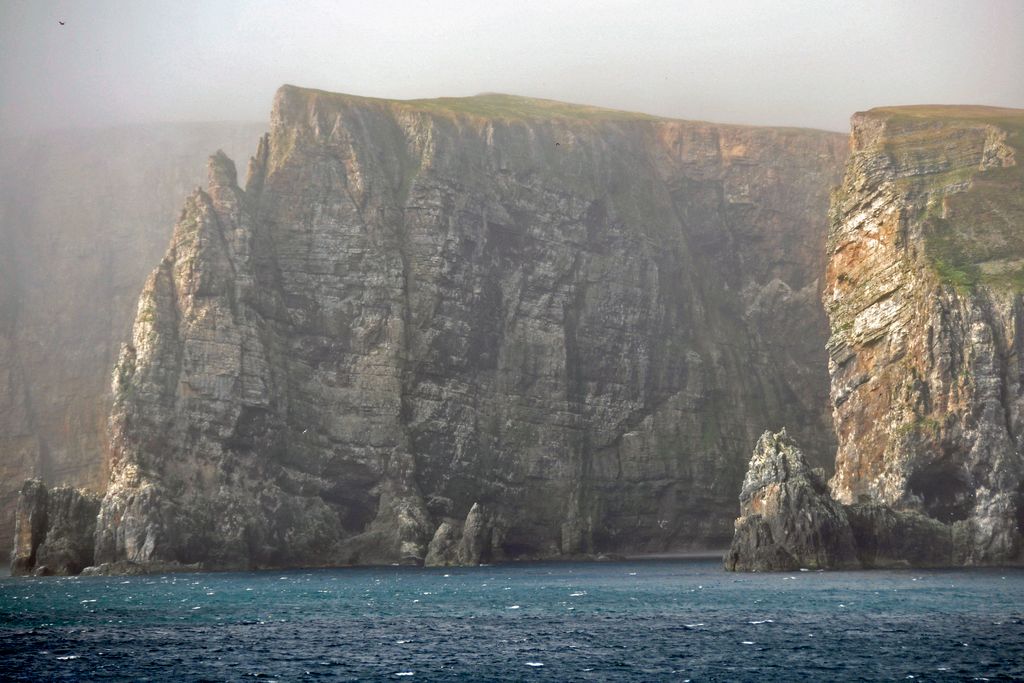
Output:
[[636, 621]]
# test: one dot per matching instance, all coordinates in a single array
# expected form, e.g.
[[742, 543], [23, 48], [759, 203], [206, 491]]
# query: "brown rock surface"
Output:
[[923, 292]]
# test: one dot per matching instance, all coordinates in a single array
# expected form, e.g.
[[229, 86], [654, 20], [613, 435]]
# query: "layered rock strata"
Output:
[[54, 530], [84, 214], [924, 281], [577, 319]]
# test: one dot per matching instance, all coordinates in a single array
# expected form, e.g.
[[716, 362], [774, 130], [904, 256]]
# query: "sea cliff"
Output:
[[923, 291], [565, 326], [84, 215]]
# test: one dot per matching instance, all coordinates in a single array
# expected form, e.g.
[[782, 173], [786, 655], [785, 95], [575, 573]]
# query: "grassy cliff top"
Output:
[[484, 105], [953, 112], [499, 105], [974, 234], [506, 107]]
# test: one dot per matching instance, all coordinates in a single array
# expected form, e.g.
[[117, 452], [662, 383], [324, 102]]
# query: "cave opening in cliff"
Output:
[[944, 491]]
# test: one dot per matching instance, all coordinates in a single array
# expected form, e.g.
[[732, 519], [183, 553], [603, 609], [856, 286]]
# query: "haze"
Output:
[[792, 63]]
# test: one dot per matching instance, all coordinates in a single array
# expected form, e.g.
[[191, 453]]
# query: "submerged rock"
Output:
[[126, 568], [787, 519]]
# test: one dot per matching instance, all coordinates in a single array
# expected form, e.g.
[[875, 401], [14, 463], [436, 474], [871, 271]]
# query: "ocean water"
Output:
[[632, 621]]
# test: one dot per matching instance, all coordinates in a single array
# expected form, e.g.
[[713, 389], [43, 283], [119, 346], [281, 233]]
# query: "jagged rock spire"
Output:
[[787, 518]]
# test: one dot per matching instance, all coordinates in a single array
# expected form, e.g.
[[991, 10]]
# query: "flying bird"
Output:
[[60, 22]]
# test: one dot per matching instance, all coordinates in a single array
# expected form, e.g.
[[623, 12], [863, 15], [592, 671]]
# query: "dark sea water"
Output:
[[636, 621]]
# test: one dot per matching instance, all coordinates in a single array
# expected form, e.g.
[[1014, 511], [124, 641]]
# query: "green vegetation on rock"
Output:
[[974, 235], [485, 105], [513, 107]]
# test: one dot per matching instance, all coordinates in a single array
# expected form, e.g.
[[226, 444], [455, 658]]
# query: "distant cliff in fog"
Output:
[[83, 216]]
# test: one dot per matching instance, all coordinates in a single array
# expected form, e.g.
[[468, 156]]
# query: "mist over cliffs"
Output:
[[545, 329], [84, 215], [495, 328]]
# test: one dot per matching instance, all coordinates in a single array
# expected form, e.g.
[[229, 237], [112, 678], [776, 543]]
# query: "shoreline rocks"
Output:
[[54, 530], [787, 519], [467, 544]]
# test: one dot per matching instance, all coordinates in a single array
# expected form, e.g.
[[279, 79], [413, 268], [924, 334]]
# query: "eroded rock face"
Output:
[[70, 530], [84, 215], [787, 519], [887, 538], [54, 530], [923, 293], [443, 550], [465, 544], [30, 526], [579, 319]]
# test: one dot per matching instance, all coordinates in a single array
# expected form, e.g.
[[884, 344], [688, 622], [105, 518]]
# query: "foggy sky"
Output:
[[792, 63]]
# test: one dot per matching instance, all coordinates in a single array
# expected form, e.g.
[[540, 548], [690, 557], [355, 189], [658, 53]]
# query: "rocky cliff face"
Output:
[[30, 526], [461, 543], [787, 519], [54, 530], [83, 216], [576, 320], [19, 443], [923, 293]]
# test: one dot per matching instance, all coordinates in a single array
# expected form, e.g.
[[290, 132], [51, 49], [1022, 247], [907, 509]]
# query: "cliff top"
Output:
[[500, 105], [496, 106], [484, 105], [964, 166], [952, 112]]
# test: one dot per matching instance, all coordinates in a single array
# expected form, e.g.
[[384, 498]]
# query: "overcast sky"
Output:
[[794, 63]]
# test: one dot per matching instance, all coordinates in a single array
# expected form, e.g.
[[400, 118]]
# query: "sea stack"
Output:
[[54, 530], [787, 519]]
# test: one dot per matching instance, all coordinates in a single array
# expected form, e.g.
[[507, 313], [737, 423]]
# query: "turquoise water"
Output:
[[644, 620]]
